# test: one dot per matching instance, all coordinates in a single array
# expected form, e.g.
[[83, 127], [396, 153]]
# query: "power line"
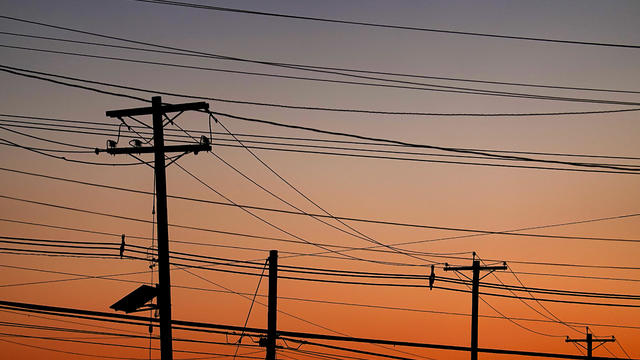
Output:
[[298, 127], [391, 141], [355, 232], [306, 67], [356, 155], [380, 222], [268, 63], [347, 249], [297, 139], [318, 301], [387, 26], [199, 326], [406, 85], [338, 272]]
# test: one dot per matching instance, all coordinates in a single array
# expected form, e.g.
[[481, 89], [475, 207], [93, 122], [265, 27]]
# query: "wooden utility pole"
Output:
[[158, 111], [475, 294], [589, 340], [272, 312]]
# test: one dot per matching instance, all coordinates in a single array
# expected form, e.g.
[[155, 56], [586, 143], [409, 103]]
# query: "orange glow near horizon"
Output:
[[460, 202]]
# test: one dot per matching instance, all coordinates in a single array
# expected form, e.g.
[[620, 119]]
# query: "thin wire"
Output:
[[250, 307], [391, 141], [458, 150], [380, 222], [306, 67], [297, 139], [623, 350], [416, 85], [388, 26], [508, 318], [574, 328], [533, 297], [360, 235], [364, 156], [294, 188]]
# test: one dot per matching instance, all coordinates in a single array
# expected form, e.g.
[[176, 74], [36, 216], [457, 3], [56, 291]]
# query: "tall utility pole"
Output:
[[272, 312], [475, 294], [158, 111], [590, 340]]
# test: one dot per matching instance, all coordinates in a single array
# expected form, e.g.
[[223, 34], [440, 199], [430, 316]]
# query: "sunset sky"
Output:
[[568, 112]]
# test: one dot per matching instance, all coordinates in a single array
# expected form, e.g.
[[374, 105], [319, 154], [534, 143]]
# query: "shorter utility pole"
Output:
[[590, 340], [475, 294], [272, 312]]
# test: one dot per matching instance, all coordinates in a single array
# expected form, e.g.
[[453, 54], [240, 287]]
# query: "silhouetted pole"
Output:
[[272, 313], [164, 272], [475, 295], [158, 110], [589, 340]]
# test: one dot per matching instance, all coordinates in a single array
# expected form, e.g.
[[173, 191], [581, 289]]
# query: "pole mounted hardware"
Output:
[[589, 340], [158, 110], [475, 294]]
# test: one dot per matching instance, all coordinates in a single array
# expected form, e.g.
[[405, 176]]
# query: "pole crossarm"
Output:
[[461, 268], [195, 148], [164, 108], [589, 340]]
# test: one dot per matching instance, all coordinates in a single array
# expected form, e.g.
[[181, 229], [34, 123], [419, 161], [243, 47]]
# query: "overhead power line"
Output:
[[618, 169], [204, 327], [301, 149], [170, 133], [305, 270], [402, 84], [347, 248], [371, 221], [116, 277], [425, 146], [387, 26], [307, 68]]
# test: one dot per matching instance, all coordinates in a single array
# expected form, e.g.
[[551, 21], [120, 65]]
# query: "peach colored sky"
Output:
[[448, 195]]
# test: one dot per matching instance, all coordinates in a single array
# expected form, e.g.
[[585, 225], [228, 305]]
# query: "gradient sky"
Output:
[[439, 194]]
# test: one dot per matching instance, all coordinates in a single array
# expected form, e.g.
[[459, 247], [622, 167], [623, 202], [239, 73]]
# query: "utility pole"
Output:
[[158, 111], [590, 340], [272, 312], [475, 294]]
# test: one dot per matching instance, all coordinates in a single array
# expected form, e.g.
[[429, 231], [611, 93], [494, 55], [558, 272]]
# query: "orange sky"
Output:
[[410, 192]]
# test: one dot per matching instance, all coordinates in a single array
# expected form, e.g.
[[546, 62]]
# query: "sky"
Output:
[[435, 203]]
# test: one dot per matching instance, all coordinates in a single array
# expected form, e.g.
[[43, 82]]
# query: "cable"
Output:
[[391, 141], [387, 26], [355, 233], [356, 155], [67, 352], [373, 275], [208, 327], [380, 222], [347, 248], [381, 307], [414, 85], [457, 150], [623, 350], [253, 300], [307, 67], [297, 139]]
